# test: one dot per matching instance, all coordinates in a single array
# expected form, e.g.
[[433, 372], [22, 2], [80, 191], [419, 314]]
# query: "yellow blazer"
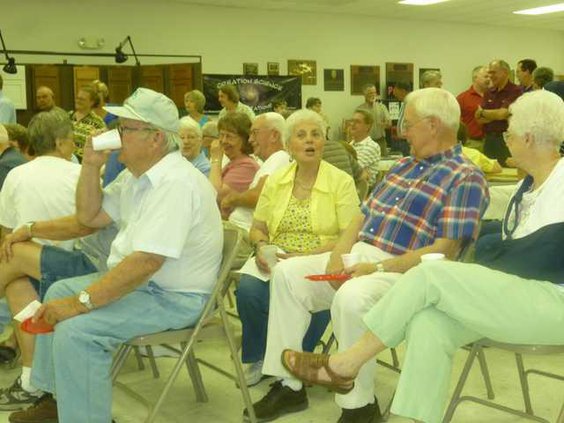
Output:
[[334, 201]]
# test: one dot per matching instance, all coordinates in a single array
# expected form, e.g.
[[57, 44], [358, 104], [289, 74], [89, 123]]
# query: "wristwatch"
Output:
[[380, 267], [84, 299], [29, 225]]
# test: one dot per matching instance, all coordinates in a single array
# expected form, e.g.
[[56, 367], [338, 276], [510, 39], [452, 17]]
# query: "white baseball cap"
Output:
[[148, 106]]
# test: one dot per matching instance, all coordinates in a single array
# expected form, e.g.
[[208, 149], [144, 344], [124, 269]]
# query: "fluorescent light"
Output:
[[542, 10], [421, 2]]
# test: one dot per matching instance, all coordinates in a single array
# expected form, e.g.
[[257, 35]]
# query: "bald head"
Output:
[[499, 73], [45, 99]]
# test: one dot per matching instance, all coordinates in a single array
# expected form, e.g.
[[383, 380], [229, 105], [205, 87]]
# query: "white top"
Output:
[[242, 108], [42, 189], [368, 155], [171, 211], [243, 216], [541, 207]]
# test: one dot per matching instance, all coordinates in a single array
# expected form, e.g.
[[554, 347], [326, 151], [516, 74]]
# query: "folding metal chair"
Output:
[[213, 316], [519, 350]]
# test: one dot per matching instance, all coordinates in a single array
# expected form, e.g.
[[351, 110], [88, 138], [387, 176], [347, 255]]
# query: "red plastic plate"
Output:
[[339, 277], [41, 326]]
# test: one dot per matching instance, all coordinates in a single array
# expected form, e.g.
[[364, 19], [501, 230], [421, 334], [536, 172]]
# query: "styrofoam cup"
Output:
[[432, 257], [350, 259], [269, 254], [28, 311], [109, 140]]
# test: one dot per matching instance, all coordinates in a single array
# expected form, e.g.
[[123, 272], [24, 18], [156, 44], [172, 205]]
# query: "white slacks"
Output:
[[293, 298]]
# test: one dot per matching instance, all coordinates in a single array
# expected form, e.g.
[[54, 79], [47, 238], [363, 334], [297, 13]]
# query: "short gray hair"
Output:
[[502, 64], [304, 115], [198, 98], [45, 128], [428, 77], [366, 87], [477, 70], [543, 76], [190, 124], [435, 102], [275, 121], [540, 114], [210, 129]]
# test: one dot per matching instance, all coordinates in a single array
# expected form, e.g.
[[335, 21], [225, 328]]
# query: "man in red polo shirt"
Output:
[[469, 101], [494, 111]]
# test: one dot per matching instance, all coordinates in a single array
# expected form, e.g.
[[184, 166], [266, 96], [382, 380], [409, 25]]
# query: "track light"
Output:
[[9, 67], [120, 56]]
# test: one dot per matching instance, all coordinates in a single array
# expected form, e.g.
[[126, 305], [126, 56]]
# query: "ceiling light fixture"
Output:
[[542, 10], [9, 67], [421, 2]]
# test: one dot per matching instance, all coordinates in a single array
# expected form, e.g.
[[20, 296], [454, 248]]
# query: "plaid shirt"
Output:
[[442, 196]]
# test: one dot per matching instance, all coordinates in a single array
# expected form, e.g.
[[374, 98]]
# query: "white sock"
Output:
[[26, 380], [294, 384]]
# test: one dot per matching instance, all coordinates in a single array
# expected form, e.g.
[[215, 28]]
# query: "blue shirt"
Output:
[[9, 159], [202, 163], [7, 110]]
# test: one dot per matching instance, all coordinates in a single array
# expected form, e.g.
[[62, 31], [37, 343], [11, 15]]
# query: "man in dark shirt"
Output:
[[494, 111], [9, 156], [524, 74]]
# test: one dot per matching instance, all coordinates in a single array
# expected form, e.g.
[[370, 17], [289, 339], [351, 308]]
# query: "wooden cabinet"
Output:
[[120, 83], [84, 75], [152, 77], [46, 76], [180, 81]]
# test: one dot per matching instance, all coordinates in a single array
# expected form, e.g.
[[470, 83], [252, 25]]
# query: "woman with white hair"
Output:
[[302, 209], [191, 136], [512, 296]]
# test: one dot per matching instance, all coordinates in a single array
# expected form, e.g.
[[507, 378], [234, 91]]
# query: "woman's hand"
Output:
[[216, 151], [361, 269], [261, 262]]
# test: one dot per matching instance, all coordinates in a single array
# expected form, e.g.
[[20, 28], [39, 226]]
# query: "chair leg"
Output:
[[140, 364], [152, 362], [524, 384], [195, 376], [395, 360], [485, 373], [247, 401], [327, 347], [460, 385], [119, 360]]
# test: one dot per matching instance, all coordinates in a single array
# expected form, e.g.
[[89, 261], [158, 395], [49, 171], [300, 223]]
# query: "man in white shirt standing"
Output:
[[7, 109], [367, 151], [162, 265], [267, 138]]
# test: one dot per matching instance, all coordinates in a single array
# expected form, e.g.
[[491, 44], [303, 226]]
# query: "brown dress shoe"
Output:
[[43, 411]]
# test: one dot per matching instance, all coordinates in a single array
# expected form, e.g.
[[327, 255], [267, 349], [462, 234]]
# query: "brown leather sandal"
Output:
[[306, 368]]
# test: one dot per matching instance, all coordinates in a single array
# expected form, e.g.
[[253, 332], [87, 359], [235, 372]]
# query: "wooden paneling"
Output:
[[120, 83], [84, 75], [180, 81], [152, 77]]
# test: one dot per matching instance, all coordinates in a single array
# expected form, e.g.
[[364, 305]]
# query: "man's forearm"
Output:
[[489, 115], [403, 263], [88, 194], [135, 269], [60, 229]]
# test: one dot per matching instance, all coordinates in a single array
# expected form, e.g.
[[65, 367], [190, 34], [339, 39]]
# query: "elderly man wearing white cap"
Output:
[[169, 227]]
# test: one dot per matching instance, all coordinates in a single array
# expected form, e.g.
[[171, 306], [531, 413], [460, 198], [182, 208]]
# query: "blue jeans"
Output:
[[77, 357], [253, 298]]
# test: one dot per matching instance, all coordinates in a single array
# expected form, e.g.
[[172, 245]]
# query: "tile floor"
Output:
[[225, 403]]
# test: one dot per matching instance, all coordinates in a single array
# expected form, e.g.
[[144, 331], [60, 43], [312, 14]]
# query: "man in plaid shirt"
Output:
[[429, 202]]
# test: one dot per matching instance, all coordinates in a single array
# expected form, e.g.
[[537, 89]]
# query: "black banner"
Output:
[[257, 92]]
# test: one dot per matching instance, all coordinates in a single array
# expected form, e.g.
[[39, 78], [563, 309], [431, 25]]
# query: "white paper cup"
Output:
[[350, 259], [269, 254], [432, 257], [28, 311], [107, 141]]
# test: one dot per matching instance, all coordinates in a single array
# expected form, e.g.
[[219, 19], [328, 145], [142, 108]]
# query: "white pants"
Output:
[[293, 298]]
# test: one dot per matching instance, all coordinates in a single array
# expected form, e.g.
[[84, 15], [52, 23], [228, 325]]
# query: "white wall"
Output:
[[228, 37]]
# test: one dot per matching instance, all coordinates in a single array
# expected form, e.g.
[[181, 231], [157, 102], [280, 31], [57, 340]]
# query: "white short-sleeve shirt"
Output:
[[243, 216], [42, 189], [368, 155], [171, 211]]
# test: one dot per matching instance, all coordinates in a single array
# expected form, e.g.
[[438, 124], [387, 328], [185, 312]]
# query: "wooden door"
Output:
[[180, 82], [84, 75], [152, 77], [120, 83]]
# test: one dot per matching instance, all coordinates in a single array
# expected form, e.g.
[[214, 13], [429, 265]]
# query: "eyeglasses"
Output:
[[406, 126], [123, 129], [255, 131]]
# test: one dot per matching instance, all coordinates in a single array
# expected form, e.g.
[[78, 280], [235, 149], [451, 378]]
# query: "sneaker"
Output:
[[16, 398], [278, 401], [43, 411], [370, 413], [253, 373]]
